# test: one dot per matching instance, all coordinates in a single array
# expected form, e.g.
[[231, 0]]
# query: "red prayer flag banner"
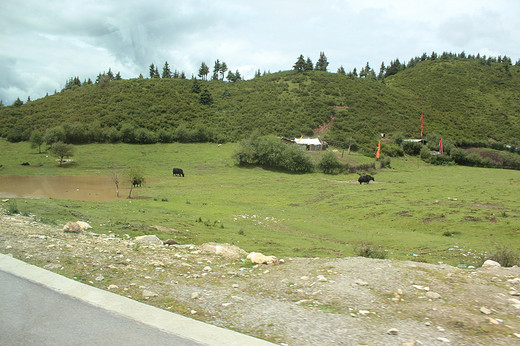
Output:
[[378, 149], [440, 146]]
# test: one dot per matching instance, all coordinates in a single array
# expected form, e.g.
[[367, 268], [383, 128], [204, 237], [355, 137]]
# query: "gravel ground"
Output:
[[302, 301]]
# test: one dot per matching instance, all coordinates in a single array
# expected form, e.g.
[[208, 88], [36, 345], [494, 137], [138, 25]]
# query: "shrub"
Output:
[[271, 152], [506, 256], [55, 134], [425, 153], [329, 163], [370, 251], [441, 160], [12, 207], [398, 138], [145, 136], [127, 133], [392, 150], [412, 148], [384, 162]]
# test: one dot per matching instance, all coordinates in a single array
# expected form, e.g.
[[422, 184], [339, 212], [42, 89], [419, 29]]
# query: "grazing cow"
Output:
[[365, 179], [178, 171], [26, 164], [136, 182]]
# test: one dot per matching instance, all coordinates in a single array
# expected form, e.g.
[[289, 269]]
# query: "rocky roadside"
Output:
[[302, 301]]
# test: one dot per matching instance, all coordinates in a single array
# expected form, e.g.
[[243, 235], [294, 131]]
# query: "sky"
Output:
[[43, 43]]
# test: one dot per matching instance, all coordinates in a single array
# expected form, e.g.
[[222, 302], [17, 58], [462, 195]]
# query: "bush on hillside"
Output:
[[329, 163], [412, 148], [271, 152], [55, 134], [506, 256], [392, 150]]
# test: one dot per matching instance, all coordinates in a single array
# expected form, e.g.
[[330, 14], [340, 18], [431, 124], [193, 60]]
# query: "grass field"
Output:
[[453, 214]]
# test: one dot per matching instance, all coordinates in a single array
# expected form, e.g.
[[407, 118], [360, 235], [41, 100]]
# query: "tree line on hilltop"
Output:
[[301, 65]]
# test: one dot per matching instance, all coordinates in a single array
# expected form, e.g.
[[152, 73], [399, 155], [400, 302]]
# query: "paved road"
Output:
[[38, 307]]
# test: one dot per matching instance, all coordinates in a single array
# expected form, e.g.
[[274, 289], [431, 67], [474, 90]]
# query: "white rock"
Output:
[[433, 295], [151, 239], [444, 339], [485, 311], [257, 257], [195, 295], [322, 278], [148, 294], [207, 268], [100, 278], [364, 312], [112, 287], [83, 225], [235, 286], [392, 331], [490, 264], [304, 278], [72, 227], [361, 283]]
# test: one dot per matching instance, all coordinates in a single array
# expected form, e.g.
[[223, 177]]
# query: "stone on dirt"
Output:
[[83, 225], [225, 250], [490, 264], [72, 227], [151, 239], [148, 294], [257, 257]]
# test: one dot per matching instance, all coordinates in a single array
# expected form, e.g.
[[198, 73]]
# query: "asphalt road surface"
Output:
[[38, 307]]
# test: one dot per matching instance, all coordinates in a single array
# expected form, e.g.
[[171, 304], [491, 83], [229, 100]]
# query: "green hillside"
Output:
[[460, 99]]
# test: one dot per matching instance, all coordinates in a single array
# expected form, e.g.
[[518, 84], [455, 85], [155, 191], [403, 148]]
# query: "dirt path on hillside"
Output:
[[346, 301]]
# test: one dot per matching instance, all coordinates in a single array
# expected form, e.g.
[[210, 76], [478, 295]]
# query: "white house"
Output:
[[311, 143]]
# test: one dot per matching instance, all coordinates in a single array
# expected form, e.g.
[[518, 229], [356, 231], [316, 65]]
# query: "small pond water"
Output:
[[80, 188]]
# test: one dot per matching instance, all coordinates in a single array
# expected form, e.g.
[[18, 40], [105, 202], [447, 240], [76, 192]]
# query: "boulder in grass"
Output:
[[257, 257], [150, 239], [83, 225], [225, 250], [72, 227]]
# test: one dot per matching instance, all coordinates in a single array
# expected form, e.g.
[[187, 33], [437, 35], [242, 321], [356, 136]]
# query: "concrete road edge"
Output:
[[166, 321]]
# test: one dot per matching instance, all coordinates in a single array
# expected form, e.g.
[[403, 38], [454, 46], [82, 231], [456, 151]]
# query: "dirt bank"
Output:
[[346, 301]]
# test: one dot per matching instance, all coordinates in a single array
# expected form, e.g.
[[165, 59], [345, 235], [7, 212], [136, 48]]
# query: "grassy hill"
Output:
[[460, 99]]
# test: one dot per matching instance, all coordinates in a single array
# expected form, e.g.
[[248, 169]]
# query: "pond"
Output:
[[81, 188]]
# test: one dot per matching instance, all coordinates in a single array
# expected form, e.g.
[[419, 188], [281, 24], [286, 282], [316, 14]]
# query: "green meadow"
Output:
[[454, 214]]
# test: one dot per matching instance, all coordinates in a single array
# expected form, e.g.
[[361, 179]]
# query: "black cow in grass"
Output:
[[136, 182], [365, 179], [178, 171]]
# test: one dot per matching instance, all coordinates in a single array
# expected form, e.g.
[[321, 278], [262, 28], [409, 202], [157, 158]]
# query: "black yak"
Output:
[[365, 179], [178, 171]]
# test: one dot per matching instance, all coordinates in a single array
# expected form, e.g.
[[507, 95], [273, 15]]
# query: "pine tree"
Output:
[[308, 65], [156, 73], [166, 72], [152, 70], [118, 76], [299, 65], [322, 63], [195, 87], [216, 70], [341, 70], [381, 71], [110, 74], [223, 70], [17, 102], [205, 97], [203, 71]]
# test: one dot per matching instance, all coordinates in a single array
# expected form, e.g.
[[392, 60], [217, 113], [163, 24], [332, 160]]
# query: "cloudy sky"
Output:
[[45, 42]]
